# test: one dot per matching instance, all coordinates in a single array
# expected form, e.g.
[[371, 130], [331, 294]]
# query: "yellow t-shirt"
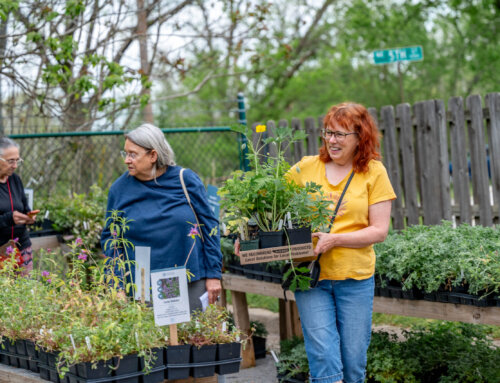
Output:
[[365, 189]]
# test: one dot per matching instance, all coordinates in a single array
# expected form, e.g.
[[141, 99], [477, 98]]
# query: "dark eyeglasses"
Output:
[[339, 136]]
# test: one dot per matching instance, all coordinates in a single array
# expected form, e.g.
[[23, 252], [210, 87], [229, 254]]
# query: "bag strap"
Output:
[[338, 205], [189, 202]]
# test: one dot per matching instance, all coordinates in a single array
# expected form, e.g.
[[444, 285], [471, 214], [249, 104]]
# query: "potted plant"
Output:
[[259, 334], [263, 193]]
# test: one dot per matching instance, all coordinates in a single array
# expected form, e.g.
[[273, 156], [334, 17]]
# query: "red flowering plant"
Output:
[[11, 252]]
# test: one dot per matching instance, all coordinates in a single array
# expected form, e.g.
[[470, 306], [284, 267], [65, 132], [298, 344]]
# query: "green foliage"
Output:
[[81, 215], [428, 257], [292, 359], [442, 352]]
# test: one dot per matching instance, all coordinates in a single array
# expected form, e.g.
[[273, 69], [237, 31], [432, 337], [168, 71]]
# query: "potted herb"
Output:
[[259, 334]]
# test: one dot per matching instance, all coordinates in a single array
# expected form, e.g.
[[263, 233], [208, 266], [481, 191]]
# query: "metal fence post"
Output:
[[242, 140]]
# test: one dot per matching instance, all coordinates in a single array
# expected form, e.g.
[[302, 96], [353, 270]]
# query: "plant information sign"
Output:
[[170, 296], [387, 56], [276, 253]]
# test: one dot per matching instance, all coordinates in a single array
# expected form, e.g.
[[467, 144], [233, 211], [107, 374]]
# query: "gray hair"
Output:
[[150, 137], [6, 142]]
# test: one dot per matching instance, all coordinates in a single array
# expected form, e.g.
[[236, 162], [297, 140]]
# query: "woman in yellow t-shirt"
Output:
[[336, 315]]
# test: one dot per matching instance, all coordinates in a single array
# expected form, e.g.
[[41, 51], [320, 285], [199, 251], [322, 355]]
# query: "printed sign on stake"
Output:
[[170, 296]]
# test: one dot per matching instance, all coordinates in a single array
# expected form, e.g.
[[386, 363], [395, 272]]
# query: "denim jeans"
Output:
[[336, 319]]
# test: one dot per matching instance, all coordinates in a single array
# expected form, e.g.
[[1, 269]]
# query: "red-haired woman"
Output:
[[336, 315]]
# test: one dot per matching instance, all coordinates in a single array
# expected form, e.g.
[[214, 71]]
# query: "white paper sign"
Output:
[[170, 296], [142, 261], [29, 197]]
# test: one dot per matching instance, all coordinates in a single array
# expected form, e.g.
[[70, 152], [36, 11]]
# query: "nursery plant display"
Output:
[[441, 262], [440, 352], [85, 327]]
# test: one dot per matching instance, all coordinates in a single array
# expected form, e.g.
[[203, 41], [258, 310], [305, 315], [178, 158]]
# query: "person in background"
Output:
[[151, 195], [336, 315], [15, 213]]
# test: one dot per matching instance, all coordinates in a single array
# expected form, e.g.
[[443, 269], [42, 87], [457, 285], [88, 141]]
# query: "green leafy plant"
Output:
[[442, 256]]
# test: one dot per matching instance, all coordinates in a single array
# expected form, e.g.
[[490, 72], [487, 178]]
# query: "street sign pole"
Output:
[[396, 55]]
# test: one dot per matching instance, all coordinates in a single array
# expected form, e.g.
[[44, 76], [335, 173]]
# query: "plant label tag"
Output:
[[142, 261], [170, 296]]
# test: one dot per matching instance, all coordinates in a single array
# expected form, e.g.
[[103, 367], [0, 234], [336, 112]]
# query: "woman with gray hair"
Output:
[[15, 213], [150, 193]]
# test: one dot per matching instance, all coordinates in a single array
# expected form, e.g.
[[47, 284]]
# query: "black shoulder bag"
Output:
[[313, 266]]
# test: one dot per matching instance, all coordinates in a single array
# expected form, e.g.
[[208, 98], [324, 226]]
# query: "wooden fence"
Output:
[[443, 164]]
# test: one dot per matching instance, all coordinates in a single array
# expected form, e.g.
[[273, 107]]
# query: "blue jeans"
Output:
[[336, 319]]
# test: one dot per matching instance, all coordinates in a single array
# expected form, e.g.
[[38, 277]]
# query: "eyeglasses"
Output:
[[19, 161], [132, 156], [339, 136]]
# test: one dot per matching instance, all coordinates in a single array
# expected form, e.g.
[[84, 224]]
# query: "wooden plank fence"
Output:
[[443, 164]]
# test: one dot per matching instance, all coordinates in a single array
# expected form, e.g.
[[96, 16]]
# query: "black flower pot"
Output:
[[73, 374], [128, 364], [178, 362], [52, 360], [158, 363], [33, 354], [226, 352], [203, 355], [259, 347], [4, 359], [298, 236], [412, 294], [21, 350], [11, 347], [258, 270], [270, 239], [43, 364], [102, 369]]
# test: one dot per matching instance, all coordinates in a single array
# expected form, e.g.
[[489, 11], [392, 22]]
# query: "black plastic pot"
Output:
[[226, 352], [298, 236], [73, 375], [102, 369], [128, 364], [33, 354], [21, 350], [206, 355], [4, 359], [11, 347], [157, 363], [178, 362], [52, 360], [43, 363], [412, 294], [270, 239], [259, 347]]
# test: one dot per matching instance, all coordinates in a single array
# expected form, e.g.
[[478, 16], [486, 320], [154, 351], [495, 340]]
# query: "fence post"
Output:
[[242, 140]]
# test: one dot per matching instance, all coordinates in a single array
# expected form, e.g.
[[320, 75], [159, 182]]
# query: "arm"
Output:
[[379, 216]]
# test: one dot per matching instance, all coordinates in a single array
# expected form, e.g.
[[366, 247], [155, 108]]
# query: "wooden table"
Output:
[[290, 322]]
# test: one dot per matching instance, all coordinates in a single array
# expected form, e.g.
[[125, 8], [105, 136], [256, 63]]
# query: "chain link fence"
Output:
[[72, 162]]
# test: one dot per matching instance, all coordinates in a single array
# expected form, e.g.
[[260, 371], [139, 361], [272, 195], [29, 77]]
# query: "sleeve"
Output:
[[209, 224], [24, 200], [380, 186]]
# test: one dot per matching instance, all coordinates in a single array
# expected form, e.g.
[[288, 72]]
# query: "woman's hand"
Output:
[[237, 247], [213, 287], [325, 242], [22, 219]]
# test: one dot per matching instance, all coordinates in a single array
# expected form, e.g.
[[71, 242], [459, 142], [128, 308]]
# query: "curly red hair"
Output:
[[354, 118]]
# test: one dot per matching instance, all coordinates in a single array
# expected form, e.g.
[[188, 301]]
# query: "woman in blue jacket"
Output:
[[150, 193]]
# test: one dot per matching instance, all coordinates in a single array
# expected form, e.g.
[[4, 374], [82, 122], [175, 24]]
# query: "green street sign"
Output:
[[386, 56]]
